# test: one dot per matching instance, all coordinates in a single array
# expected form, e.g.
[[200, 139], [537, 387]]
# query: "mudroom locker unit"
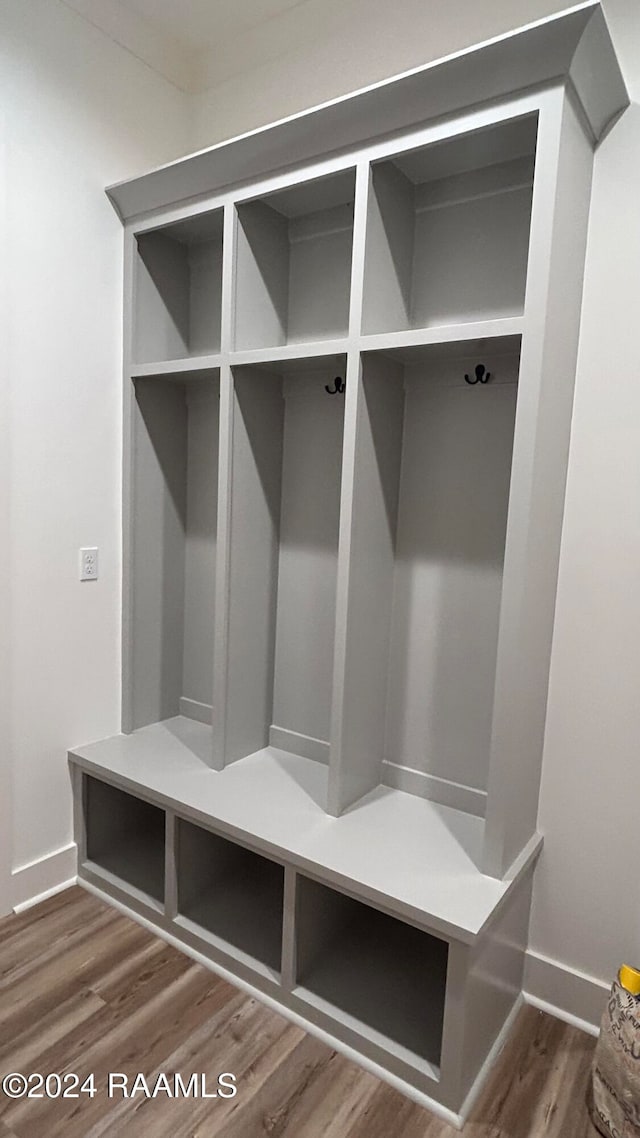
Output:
[[350, 353]]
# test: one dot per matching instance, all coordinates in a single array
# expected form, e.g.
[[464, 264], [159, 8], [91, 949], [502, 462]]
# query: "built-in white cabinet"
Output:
[[350, 352]]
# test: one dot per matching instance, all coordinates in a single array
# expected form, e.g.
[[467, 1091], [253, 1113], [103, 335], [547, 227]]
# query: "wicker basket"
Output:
[[615, 1100]]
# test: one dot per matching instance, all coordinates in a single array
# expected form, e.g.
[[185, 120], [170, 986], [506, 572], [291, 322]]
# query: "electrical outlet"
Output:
[[89, 564]]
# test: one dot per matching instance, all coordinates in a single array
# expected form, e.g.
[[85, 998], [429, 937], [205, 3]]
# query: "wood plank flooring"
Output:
[[84, 989]]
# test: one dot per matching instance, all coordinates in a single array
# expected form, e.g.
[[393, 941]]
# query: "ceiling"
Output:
[[201, 24], [198, 43]]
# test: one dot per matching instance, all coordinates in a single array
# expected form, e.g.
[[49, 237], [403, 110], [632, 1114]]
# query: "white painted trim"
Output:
[[454, 794], [194, 709], [46, 875], [558, 1013], [24, 905], [432, 207], [528, 58], [193, 366], [491, 1059], [297, 744], [455, 1120], [313, 352], [564, 992]]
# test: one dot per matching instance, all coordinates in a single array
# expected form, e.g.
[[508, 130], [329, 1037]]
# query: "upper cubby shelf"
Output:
[[448, 230], [178, 287], [181, 371], [293, 264]]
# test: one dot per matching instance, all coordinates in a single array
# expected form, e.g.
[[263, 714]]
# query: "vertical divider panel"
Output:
[[225, 464], [79, 812], [454, 1023], [289, 939], [221, 629], [361, 205], [127, 713], [559, 223], [366, 612], [360, 212], [229, 260], [370, 480], [257, 418], [170, 866]]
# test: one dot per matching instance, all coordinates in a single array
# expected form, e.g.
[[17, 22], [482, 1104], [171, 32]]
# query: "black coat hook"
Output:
[[340, 387], [482, 375]]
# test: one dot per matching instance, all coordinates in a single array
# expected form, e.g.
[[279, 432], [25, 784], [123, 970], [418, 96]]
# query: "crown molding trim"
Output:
[[560, 49]]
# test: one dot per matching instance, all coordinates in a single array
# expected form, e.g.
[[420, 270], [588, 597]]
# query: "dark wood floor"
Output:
[[84, 989]]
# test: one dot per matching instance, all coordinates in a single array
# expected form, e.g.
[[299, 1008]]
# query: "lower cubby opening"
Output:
[[125, 840], [230, 895], [378, 975]]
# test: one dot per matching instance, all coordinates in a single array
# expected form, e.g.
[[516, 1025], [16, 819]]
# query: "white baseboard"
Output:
[[43, 877], [559, 1013], [193, 709], [564, 992], [305, 745], [441, 790]]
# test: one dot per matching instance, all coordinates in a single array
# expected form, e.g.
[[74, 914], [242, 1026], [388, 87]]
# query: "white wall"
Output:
[[79, 112], [586, 913], [322, 49]]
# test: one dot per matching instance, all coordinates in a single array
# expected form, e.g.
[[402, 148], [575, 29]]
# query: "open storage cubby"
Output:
[[382, 977], [125, 839], [293, 264], [288, 433], [230, 894], [448, 230], [178, 289], [442, 452], [172, 551]]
